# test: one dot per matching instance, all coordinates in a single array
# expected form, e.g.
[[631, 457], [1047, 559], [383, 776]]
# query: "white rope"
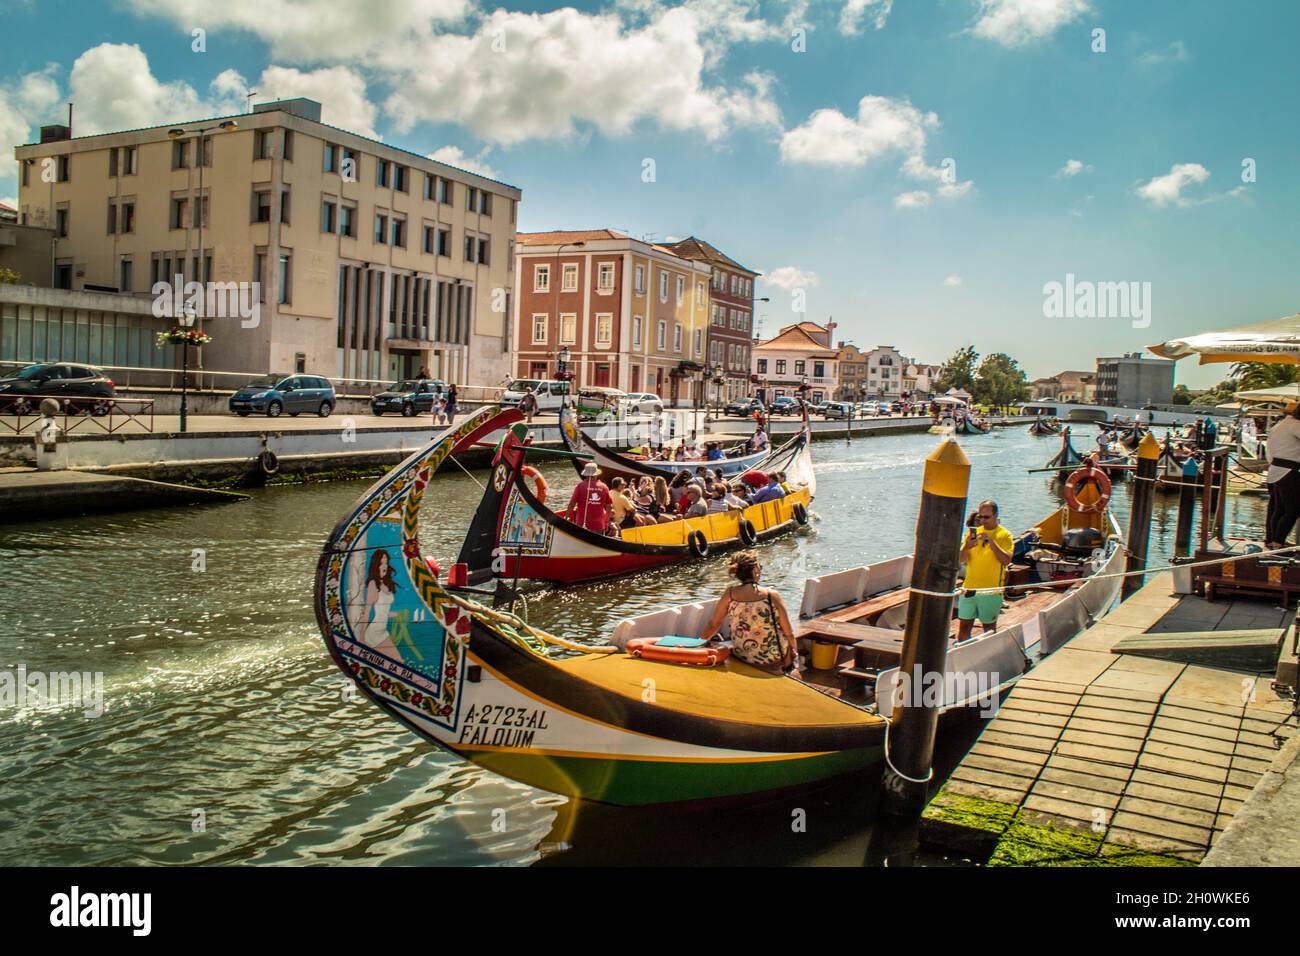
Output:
[[929, 774], [481, 487], [938, 594]]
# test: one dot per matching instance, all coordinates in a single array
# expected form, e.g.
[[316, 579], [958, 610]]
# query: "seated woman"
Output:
[[761, 634], [625, 512], [679, 454], [714, 452]]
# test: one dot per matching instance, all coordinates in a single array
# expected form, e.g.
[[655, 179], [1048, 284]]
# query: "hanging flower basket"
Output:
[[180, 335]]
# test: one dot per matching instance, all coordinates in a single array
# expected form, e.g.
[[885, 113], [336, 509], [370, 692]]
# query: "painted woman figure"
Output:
[[380, 589]]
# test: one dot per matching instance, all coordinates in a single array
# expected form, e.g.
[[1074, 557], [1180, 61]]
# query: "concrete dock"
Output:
[[27, 494], [1123, 748]]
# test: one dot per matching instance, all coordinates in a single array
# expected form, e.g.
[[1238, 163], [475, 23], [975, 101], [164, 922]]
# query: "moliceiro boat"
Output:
[[596, 723], [514, 534], [634, 466], [969, 426], [1045, 426]]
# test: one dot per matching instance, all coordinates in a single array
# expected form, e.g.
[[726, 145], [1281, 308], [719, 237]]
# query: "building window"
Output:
[[445, 191], [444, 242], [485, 202], [542, 278], [350, 168], [400, 178], [677, 336], [640, 280], [399, 232], [699, 293], [181, 154], [569, 280], [61, 221], [128, 217], [605, 277], [681, 289], [780, 366], [426, 240], [604, 329], [663, 286], [331, 158], [799, 367], [259, 273], [636, 331], [126, 275], [662, 340], [286, 275], [430, 184], [63, 275], [112, 217], [469, 248], [180, 209], [262, 144], [699, 342], [327, 216], [483, 251], [284, 205], [568, 328], [762, 366], [819, 369], [539, 328], [348, 221], [381, 172], [381, 228], [471, 198], [262, 206]]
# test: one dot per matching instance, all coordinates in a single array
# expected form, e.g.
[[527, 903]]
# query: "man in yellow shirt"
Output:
[[986, 551]]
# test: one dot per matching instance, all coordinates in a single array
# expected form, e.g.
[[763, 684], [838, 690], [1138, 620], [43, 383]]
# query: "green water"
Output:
[[227, 736]]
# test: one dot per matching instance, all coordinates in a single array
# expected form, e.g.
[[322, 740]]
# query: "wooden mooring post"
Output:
[[909, 747], [1186, 506], [1139, 518]]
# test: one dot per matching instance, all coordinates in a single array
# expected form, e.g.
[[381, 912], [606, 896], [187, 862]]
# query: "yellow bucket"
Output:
[[824, 654]]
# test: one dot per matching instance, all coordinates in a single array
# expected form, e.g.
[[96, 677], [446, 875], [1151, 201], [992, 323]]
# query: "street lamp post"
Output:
[[187, 321], [563, 358], [201, 276], [562, 373]]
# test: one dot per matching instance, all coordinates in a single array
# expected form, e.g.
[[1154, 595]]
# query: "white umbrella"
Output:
[[1277, 341]]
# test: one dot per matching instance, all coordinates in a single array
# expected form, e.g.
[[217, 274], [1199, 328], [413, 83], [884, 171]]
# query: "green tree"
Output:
[[1000, 381], [1263, 374], [1182, 395], [9, 277], [959, 371]]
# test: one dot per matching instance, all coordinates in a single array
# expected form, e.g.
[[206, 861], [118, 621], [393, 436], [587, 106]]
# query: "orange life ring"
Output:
[[648, 649], [1089, 472], [538, 481]]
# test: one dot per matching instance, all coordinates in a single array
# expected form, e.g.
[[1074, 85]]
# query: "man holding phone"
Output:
[[986, 551]]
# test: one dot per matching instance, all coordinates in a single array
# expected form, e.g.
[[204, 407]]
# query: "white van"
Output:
[[548, 392]]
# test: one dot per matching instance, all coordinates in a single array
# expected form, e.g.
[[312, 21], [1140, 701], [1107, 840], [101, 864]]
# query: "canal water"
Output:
[[227, 736]]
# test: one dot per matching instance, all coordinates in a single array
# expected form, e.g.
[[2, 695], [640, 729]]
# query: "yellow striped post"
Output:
[[925, 637]]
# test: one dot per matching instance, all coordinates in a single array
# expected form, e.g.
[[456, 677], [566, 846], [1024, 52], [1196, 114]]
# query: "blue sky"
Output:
[[824, 168]]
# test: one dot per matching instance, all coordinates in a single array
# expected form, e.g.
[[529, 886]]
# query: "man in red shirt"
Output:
[[590, 504]]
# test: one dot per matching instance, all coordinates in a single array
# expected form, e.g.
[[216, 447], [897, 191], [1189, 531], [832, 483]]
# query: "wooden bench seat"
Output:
[[881, 639], [874, 605]]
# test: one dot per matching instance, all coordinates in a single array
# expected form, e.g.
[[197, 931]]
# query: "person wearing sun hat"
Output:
[[591, 502], [1283, 478]]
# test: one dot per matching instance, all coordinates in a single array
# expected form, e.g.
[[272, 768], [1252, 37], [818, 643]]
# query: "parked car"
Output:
[[744, 407], [275, 394], [838, 410], [59, 380], [865, 410], [415, 396], [644, 403], [548, 392], [882, 408], [783, 405]]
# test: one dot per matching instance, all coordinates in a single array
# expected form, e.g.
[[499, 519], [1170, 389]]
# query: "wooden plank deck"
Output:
[[1112, 758]]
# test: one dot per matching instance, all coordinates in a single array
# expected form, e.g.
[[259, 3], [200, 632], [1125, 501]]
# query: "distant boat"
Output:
[[1045, 426]]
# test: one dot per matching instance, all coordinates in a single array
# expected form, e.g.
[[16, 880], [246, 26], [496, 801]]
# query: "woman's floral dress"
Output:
[[755, 633]]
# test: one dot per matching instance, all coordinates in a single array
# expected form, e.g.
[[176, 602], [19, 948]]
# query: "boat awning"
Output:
[[1274, 393]]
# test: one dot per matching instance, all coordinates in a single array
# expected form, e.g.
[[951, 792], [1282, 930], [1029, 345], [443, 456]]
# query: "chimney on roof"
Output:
[[54, 134], [307, 109]]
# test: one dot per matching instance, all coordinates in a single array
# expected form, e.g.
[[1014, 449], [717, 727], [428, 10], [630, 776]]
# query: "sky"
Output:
[[920, 171]]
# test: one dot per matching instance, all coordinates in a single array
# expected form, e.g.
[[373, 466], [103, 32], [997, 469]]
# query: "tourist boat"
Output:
[[633, 467], [1068, 459], [1171, 464], [945, 426], [515, 534], [858, 615], [969, 426], [596, 723], [1045, 426]]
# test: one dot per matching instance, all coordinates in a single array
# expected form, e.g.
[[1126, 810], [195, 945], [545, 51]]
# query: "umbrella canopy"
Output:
[[947, 400], [1277, 341], [1275, 393]]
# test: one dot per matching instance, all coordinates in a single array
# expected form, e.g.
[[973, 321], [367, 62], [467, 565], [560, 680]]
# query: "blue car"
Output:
[[277, 394]]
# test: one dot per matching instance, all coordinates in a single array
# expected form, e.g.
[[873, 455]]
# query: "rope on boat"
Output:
[[520, 627], [466, 470], [929, 774]]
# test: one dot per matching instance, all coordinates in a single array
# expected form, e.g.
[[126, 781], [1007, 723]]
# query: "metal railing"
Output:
[[200, 380], [19, 413]]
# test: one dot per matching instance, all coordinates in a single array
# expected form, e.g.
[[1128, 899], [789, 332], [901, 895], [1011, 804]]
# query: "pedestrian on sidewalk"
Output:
[[451, 404], [439, 409]]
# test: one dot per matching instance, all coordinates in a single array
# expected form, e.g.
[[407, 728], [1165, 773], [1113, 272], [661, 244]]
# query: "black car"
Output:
[[784, 405], [744, 407], [21, 393], [411, 397]]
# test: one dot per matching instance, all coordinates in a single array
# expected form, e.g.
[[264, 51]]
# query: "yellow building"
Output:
[[372, 261]]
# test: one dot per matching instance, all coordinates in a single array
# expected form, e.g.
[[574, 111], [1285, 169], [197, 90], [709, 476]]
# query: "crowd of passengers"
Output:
[[607, 509]]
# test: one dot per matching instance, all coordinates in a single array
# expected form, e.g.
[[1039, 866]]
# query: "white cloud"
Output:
[[1014, 23], [26, 103], [918, 199], [455, 156], [525, 76], [317, 31], [791, 277], [1176, 52], [952, 281], [1072, 167], [340, 90], [1167, 190], [882, 126], [852, 14], [114, 89]]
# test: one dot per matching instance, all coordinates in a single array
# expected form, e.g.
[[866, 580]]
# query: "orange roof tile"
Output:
[[566, 235]]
